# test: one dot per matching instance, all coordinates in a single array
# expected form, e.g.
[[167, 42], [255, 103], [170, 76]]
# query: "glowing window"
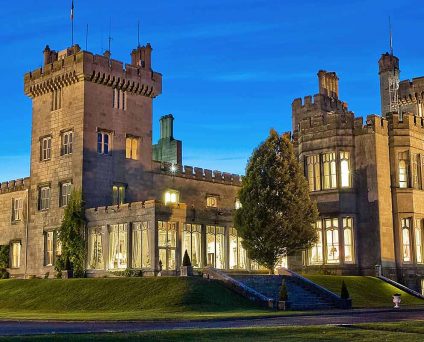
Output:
[[329, 166], [332, 241], [419, 241], [406, 240], [315, 253], [314, 172], [345, 169], [348, 239], [171, 197], [131, 148], [403, 170], [212, 201]]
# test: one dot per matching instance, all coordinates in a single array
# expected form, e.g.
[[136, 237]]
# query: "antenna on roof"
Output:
[[110, 28], [138, 33], [391, 36], [86, 38]]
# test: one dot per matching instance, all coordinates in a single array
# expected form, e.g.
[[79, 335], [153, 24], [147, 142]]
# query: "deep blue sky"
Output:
[[231, 68]]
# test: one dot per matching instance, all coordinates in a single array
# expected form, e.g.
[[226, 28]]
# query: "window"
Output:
[[103, 143], [131, 148], [17, 209], [192, 243], [345, 170], [57, 99], [315, 253], [212, 201], [171, 197], [67, 141], [215, 242], [329, 166], [119, 99], [406, 241], [44, 198], [348, 239], [49, 256], [16, 255], [141, 245], [314, 172], [403, 170], [238, 255], [332, 240], [416, 168], [46, 148], [167, 241], [419, 241], [65, 193], [118, 194], [237, 204], [95, 249], [118, 246]]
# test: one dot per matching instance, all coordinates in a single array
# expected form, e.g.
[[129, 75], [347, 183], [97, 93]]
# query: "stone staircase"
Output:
[[303, 294]]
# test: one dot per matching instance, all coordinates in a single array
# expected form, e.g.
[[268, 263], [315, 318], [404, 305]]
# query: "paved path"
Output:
[[10, 328]]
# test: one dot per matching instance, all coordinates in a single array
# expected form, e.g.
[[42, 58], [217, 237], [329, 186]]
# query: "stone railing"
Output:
[[401, 287]]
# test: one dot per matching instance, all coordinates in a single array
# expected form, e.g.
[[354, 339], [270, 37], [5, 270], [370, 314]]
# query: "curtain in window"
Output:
[[118, 246], [406, 243], [419, 242], [332, 237], [315, 253], [348, 239]]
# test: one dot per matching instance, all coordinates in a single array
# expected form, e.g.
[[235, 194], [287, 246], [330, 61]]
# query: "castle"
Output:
[[92, 130]]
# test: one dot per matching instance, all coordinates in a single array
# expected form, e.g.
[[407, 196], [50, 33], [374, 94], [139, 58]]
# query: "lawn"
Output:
[[369, 292], [122, 299], [390, 332]]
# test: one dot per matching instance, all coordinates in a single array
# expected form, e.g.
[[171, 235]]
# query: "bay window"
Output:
[[118, 246], [141, 245], [329, 170], [238, 255], [95, 249], [215, 241], [167, 239], [315, 253], [314, 172], [348, 239], [192, 243], [332, 240], [406, 240]]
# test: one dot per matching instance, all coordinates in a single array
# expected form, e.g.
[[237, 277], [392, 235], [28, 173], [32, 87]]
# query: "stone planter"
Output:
[[396, 300], [186, 271], [282, 305], [271, 303]]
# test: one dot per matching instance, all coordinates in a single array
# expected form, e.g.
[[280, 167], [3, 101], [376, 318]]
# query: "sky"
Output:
[[231, 68]]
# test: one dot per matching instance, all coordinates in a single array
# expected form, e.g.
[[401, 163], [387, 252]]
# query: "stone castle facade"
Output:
[[92, 130]]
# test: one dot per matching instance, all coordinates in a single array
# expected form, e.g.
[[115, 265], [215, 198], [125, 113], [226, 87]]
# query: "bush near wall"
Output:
[[4, 261]]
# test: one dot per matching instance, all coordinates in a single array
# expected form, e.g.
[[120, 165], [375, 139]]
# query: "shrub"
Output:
[[344, 293], [4, 274], [284, 295], [4, 256], [186, 259]]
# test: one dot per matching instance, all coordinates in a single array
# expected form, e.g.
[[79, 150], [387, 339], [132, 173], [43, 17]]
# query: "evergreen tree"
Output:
[[72, 236], [344, 292], [186, 259], [276, 214]]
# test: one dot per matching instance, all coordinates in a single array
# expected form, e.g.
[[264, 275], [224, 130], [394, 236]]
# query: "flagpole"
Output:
[[72, 22]]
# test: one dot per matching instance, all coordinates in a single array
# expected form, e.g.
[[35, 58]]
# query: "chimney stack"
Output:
[[328, 84]]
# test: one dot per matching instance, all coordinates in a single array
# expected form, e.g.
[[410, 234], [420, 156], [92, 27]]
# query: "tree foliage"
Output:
[[72, 235], [277, 214]]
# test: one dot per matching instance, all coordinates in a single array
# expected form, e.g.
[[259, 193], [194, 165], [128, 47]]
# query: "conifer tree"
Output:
[[276, 214], [72, 236]]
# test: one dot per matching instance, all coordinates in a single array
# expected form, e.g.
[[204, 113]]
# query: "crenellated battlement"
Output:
[[76, 66], [318, 102], [197, 173], [411, 91], [408, 121], [15, 185], [373, 124]]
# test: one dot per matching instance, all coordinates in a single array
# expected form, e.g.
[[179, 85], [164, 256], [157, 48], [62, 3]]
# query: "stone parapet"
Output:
[[408, 122], [319, 102], [15, 185], [373, 124], [196, 173]]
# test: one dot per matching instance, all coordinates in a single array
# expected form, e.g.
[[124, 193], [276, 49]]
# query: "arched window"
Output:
[[403, 170], [332, 241], [406, 240]]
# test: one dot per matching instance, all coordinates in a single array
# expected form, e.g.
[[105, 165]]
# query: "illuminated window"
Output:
[[403, 170], [345, 170], [315, 253], [237, 204], [118, 194], [416, 171], [141, 245], [17, 209], [67, 141], [65, 193], [212, 201], [329, 170], [238, 255], [118, 246], [171, 197], [46, 148], [131, 148], [332, 241], [49, 248], [16, 255], [348, 239], [192, 243], [406, 240], [419, 241], [103, 143], [167, 243], [95, 249], [314, 172], [215, 242]]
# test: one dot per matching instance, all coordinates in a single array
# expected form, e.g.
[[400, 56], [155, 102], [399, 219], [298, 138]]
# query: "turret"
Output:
[[388, 66]]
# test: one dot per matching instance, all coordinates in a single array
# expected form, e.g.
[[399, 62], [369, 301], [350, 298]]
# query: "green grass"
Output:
[[366, 292], [122, 299], [405, 331]]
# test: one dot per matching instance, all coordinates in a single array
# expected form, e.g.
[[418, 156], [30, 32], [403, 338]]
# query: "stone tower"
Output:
[[168, 149], [92, 130], [389, 83]]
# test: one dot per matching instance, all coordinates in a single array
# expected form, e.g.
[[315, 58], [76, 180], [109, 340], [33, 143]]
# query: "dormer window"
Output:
[[171, 197], [212, 201]]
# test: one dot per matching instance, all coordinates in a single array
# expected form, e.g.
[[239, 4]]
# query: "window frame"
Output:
[[13, 264], [17, 210], [44, 200], [405, 227], [313, 172], [212, 201], [66, 184], [121, 193], [46, 148], [132, 152], [168, 200], [101, 143], [66, 149]]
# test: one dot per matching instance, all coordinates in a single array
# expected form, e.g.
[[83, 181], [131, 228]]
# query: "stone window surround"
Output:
[[47, 137], [39, 190], [55, 242], [408, 156], [61, 183], [67, 132], [412, 238], [132, 138], [337, 151], [341, 247], [20, 210], [211, 197], [111, 134]]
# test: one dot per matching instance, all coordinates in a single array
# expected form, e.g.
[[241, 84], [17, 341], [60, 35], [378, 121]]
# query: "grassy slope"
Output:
[[120, 298], [390, 332], [365, 291]]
